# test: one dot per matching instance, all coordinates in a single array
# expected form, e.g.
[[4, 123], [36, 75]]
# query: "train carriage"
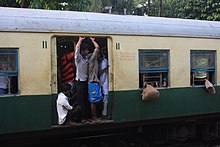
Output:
[[140, 48]]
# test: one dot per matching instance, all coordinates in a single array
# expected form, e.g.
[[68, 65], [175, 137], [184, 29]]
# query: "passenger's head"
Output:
[[66, 88], [164, 82], [84, 49], [102, 54]]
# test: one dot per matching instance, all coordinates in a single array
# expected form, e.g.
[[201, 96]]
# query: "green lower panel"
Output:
[[25, 113], [128, 106]]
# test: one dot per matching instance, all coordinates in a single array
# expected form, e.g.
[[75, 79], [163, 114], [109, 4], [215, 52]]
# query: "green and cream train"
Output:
[[140, 49]]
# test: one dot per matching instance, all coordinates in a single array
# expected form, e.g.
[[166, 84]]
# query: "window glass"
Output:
[[153, 60], [202, 60], [8, 62]]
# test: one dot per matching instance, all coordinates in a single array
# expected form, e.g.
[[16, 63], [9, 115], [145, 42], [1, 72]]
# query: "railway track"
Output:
[[123, 140]]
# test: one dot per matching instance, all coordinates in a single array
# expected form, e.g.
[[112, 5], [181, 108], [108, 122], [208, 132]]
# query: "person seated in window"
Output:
[[154, 84], [199, 78], [3, 79], [209, 87], [164, 82], [149, 92]]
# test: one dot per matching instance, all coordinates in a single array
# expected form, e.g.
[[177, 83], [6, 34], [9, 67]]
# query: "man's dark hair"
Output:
[[65, 87], [84, 46]]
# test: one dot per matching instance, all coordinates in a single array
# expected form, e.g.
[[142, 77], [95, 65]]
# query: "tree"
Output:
[[211, 10], [201, 9], [8, 3], [24, 3], [192, 9], [171, 8], [160, 7], [96, 6], [148, 7]]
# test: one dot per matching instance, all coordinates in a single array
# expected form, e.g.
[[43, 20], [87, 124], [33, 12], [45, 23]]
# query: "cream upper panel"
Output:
[[126, 60], [34, 62]]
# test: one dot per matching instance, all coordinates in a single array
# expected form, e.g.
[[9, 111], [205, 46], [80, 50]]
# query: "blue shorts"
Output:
[[95, 94]]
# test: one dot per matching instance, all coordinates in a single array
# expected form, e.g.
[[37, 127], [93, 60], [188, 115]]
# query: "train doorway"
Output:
[[65, 53], [66, 67]]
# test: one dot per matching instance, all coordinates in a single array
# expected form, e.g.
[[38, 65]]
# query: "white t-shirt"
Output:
[[62, 107], [3, 82], [104, 77], [82, 65]]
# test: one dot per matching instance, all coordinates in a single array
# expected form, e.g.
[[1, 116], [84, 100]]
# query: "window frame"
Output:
[[10, 51], [208, 69], [154, 70], [12, 73]]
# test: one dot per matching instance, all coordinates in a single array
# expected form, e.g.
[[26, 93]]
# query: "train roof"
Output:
[[35, 20]]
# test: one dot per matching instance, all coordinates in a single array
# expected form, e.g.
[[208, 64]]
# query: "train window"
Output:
[[153, 68], [8, 71], [202, 67]]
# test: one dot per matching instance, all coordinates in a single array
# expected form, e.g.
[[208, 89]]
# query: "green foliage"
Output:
[[8, 3], [44, 4], [171, 8], [211, 10], [154, 8], [191, 9], [201, 9], [76, 5], [118, 6]]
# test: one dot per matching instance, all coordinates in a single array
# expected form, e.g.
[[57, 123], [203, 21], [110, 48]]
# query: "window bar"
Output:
[[9, 85]]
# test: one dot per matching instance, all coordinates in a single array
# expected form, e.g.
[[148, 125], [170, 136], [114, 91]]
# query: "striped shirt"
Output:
[[68, 70]]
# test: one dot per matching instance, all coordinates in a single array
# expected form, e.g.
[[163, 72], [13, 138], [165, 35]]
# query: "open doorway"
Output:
[[66, 73], [66, 49]]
